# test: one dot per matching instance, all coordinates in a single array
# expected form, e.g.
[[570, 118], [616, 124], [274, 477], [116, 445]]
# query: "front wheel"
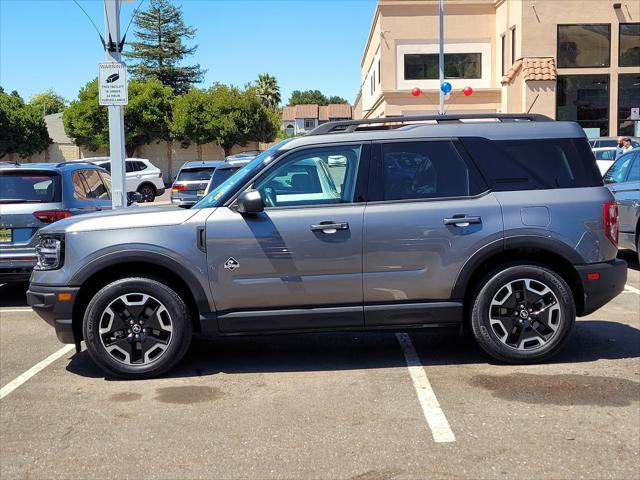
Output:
[[148, 193], [523, 314], [137, 328]]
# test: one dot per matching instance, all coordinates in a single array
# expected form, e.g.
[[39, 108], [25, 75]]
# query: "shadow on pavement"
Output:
[[592, 340], [13, 295], [631, 258]]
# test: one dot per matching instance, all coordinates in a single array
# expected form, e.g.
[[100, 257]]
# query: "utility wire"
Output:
[[131, 20], [92, 23]]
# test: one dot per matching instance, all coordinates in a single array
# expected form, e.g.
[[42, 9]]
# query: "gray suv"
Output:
[[500, 223]]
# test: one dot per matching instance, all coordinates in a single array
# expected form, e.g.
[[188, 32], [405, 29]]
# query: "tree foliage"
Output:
[[299, 97], [160, 47], [48, 102], [268, 90], [22, 128], [224, 114], [146, 117]]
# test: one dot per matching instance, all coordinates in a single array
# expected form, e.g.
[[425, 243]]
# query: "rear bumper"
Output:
[[160, 191], [612, 277], [59, 314]]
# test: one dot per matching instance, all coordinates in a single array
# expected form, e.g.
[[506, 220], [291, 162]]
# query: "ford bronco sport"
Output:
[[497, 222]]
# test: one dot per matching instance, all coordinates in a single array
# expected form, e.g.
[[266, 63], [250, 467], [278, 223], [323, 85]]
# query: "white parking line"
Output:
[[19, 380], [629, 288], [17, 309], [434, 415]]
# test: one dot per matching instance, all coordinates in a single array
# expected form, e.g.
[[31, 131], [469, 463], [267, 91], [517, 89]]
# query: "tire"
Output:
[[540, 329], [137, 328], [148, 192]]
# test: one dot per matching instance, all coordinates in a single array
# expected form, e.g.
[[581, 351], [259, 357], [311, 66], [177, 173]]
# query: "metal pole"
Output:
[[116, 112], [441, 57]]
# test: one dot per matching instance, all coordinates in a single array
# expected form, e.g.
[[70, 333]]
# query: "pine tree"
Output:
[[159, 47]]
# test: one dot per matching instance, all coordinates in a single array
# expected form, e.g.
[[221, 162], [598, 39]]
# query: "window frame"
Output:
[[619, 43], [376, 171], [560, 25], [309, 120], [479, 77], [606, 75], [513, 44], [503, 47], [362, 176]]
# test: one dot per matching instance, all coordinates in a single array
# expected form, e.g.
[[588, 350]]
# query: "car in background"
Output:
[[605, 157], [34, 195], [142, 176], [611, 142], [191, 182], [623, 179], [227, 168]]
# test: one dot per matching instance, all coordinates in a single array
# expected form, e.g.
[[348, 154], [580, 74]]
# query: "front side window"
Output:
[[584, 45], [629, 46], [318, 176], [584, 99], [619, 170], [424, 66], [421, 170]]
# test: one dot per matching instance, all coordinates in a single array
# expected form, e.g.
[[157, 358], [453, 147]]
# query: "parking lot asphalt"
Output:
[[322, 406]]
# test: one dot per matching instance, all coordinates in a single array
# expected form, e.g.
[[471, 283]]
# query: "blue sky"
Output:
[[306, 44]]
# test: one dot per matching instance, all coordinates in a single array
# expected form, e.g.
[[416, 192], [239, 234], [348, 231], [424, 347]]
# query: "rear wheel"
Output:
[[137, 328], [148, 193], [523, 314]]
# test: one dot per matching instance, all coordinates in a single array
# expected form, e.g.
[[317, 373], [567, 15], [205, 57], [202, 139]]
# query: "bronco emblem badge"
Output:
[[231, 264]]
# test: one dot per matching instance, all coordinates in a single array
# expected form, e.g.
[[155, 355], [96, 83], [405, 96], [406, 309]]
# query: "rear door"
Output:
[[298, 264], [429, 213]]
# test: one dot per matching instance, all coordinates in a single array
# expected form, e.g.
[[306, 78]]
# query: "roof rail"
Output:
[[348, 126], [74, 162]]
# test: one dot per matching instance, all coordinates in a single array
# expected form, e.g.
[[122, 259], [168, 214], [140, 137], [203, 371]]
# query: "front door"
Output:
[[298, 264], [427, 216]]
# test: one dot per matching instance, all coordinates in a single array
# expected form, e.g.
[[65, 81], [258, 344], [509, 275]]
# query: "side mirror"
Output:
[[250, 202], [133, 197]]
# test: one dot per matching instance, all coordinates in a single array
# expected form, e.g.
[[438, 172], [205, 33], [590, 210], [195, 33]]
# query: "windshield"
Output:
[[29, 187], [217, 196]]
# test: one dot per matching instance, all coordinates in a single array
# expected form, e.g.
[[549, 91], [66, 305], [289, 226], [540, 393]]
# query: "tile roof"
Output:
[[288, 114], [533, 68], [339, 110], [323, 113], [307, 111], [312, 110]]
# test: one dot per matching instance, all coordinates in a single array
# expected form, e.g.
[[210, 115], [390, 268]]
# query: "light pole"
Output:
[[113, 47], [441, 57]]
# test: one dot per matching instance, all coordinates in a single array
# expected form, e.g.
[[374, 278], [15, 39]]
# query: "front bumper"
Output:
[[16, 263], [612, 277], [46, 302]]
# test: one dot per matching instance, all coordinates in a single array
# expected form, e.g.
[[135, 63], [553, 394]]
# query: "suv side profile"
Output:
[[142, 176], [503, 226]]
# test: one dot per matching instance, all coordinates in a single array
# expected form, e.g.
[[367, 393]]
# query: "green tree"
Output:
[[22, 128], [336, 99], [193, 118], [308, 96], [268, 90], [146, 117], [48, 102], [159, 47]]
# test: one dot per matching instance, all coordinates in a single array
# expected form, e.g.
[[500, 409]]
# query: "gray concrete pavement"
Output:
[[328, 406]]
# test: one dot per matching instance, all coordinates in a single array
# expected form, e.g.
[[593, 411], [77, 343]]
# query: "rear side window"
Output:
[[29, 187], [140, 165], [535, 164], [194, 174], [422, 170], [88, 185]]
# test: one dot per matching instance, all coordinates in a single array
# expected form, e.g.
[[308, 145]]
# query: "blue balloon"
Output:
[[445, 87]]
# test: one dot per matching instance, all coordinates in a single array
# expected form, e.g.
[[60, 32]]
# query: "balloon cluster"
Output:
[[446, 89]]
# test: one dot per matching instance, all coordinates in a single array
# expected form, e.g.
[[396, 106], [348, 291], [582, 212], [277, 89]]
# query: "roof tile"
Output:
[[533, 68]]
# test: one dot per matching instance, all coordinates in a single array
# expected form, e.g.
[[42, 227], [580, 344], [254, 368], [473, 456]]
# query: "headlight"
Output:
[[50, 253]]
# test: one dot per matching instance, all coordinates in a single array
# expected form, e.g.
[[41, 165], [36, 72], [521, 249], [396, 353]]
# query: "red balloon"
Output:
[[416, 92], [467, 91]]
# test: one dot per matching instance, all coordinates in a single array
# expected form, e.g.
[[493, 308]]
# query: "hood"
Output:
[[142, 217]]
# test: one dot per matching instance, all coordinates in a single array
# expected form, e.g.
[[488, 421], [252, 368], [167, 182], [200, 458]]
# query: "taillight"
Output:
[[610, 221], [178, 188], [50, 216]]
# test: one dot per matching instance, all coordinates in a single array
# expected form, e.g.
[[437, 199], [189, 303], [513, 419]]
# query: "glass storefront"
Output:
[[629, 45], [628, 97], [582, 46], [584, 99]]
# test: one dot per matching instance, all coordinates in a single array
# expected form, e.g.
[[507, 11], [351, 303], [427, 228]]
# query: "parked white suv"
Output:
[[142, 176]]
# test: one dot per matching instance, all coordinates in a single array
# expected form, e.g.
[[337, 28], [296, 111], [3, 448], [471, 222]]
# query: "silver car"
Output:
[[501, 225]]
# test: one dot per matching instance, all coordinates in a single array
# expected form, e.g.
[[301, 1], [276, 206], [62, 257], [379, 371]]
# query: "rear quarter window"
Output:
[[535, 164], [29, 187]]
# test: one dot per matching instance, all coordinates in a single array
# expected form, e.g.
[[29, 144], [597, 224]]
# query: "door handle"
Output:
[[462, 220], [329, 227]]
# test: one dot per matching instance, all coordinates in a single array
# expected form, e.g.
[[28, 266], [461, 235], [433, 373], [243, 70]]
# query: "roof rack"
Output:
[[74, 162], [348, 126]]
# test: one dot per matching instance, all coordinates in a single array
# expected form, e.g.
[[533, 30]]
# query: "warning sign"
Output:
[[112, 83]]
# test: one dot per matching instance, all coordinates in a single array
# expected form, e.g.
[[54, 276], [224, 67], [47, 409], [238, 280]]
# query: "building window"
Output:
[[309, 123], [513, 45], [503, 57], [629, 45], [628, 97], [584, 45], [424, 66], [584, 99], [378, 72]]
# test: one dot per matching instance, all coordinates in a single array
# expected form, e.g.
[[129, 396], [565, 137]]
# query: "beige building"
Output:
[[568, 59]]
